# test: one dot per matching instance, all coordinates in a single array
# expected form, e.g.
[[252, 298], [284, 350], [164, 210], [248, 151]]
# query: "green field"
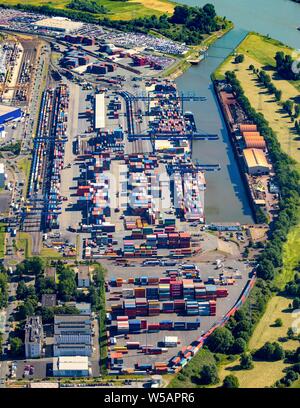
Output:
[[117, 10]]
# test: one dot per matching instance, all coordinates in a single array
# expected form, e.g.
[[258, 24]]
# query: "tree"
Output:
[[296, 303], [239, 58], [246, 361], [270, 352], [3, 290], [290, 333], [278, 94], [297, 111], [16, 346], [265, 270], [231, 381], [209, 374], [278, 323], [239, 346], [288, 107], [25, 310], [220, 341], [180, 14]]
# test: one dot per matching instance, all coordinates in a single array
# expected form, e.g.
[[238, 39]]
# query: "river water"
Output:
[[225, 197]]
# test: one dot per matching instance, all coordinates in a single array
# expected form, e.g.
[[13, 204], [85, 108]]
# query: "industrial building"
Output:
[[59, 24], [2, 175], [72, 335], [71, 366], [8, 113], [99, 111], [34, 337], [256, 161]]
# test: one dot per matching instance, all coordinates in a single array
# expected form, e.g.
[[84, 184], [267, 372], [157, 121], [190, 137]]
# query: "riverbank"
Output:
[[183, 65], [259, 51]]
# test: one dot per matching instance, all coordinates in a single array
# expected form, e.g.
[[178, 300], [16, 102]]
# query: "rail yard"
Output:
[[111, 180]]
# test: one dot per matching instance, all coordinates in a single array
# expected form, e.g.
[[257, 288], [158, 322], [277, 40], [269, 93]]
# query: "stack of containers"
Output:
[[179, 305], [212, 307], [128, 293], [160, 368], [176, 289], [141, 307], [153, 307], [153, 327], [151, 240], [168, 307], [129, 248], [211, 291], [140, 292], [192, 325], [184, 239], [164, 291], [179, 326], [192, 308], [166, 325], [144, 324], [144, 280], [174, 240], [122, 324], [222, 292], [200, 291], [117, 308], [188, 289], [162, 240], [153, 281], [204, 309], [152, 292], [131, 345], [134, 326], [130, 307]]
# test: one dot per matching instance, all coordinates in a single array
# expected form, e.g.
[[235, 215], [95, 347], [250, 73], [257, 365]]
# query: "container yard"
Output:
[[112, 180]]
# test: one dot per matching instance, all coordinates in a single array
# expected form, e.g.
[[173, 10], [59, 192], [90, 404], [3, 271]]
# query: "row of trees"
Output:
[[270, 260], [3, 289]]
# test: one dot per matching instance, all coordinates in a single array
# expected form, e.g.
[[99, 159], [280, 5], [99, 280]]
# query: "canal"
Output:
[[225, 198]]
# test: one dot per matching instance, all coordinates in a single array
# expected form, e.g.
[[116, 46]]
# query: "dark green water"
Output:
[[225, 198]]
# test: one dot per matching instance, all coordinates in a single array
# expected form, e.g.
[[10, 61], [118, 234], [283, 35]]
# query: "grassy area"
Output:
[[117, 10], [264, 374], [265, 331], [2, 240], [24, 242], [50, 253], [291, 257], [187, 378], [24, 165]]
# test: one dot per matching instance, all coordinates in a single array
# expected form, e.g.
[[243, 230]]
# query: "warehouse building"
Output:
[[8, 113], [60, 24], [256, 161], [34, 337], [99, 111], [71, 366], [72, 335]]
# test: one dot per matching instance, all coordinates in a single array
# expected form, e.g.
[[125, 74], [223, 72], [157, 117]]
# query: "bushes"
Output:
[[270, 352], [220, 341], [209, 374], [230, 381]]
